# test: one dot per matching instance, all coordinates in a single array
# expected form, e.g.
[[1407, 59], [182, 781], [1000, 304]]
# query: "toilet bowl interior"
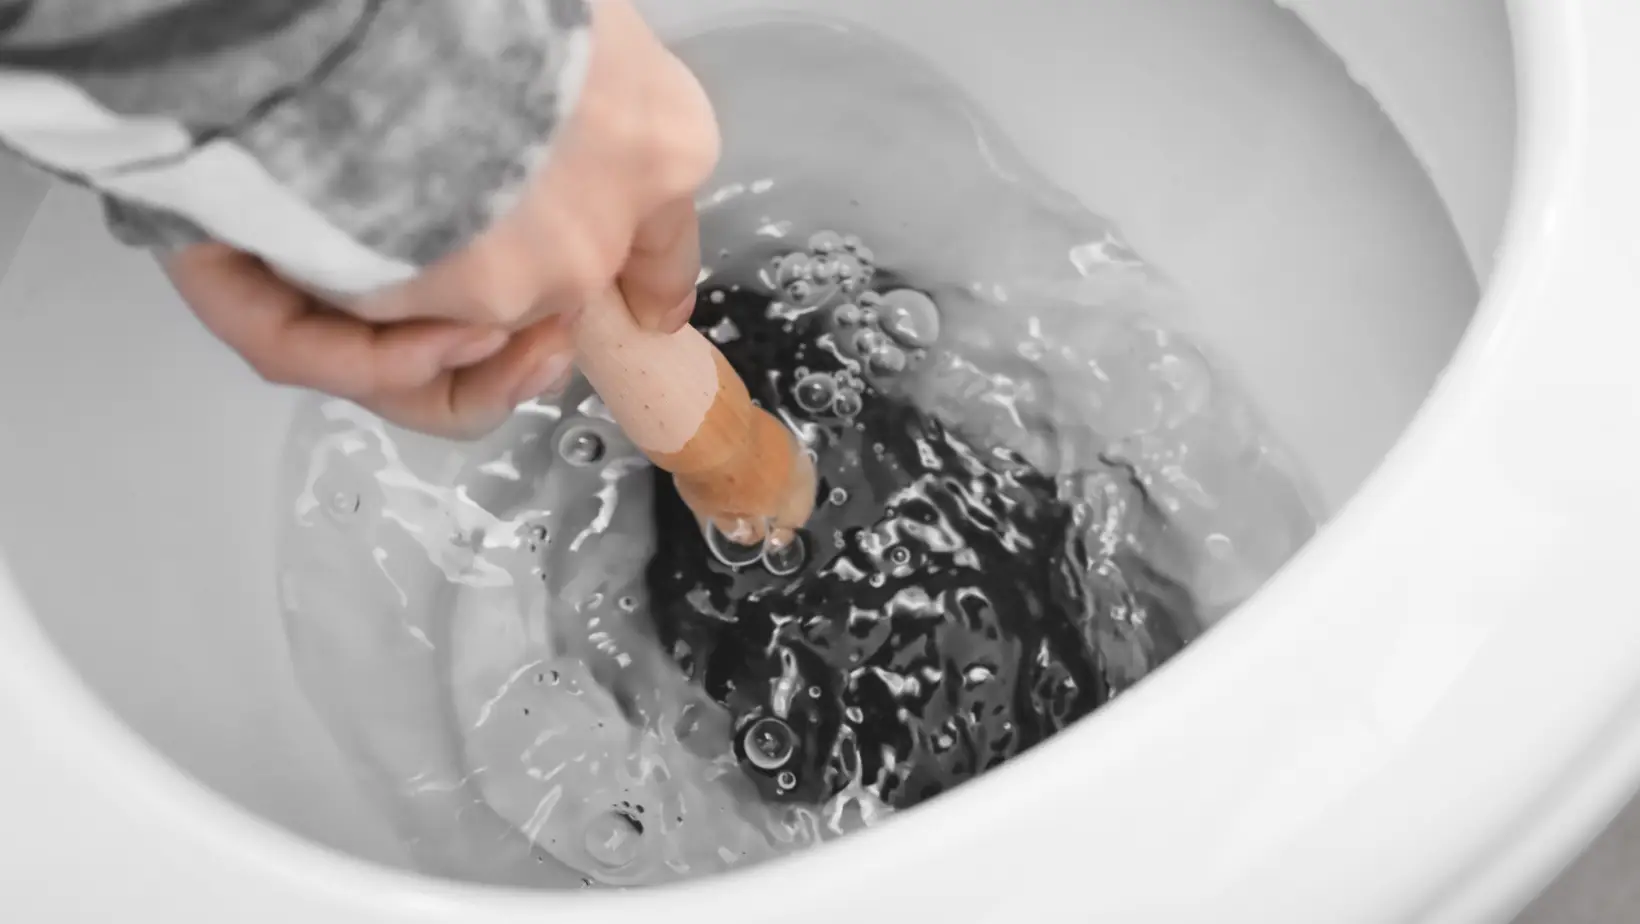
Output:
[[135, 508]]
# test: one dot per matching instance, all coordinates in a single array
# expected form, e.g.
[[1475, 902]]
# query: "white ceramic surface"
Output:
[[21, 190], [1384, 734], [1444, 73]]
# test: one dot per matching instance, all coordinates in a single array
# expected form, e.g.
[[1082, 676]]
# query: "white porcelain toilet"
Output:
[[1423, 717]]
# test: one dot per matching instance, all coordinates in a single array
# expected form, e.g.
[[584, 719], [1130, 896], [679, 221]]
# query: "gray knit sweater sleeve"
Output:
[[348, 142]]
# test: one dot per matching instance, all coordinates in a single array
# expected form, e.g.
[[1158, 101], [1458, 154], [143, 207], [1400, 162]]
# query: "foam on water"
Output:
[[1036, 487]]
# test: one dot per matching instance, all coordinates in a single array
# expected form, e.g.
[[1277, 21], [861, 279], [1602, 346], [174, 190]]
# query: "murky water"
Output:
[[1035, 488]]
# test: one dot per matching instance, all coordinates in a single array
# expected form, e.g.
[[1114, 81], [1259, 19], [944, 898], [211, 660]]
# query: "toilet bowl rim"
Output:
[[76, 728]]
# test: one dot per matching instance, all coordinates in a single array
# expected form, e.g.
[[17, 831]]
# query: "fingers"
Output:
[[470, 402], [292, 339], [437, 377], [664, 266]]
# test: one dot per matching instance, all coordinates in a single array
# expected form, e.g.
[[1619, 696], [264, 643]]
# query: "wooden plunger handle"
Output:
[[681, 402]]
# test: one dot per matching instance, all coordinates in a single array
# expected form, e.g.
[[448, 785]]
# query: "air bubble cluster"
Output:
[[742, 544], [887, 332], [825, 394], [879, 334], [832, 266], [882, 332]]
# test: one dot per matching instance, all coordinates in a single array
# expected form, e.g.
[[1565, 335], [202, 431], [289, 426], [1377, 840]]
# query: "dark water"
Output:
[[945, 616]]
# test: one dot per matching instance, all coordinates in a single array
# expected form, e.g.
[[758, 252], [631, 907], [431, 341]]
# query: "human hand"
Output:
[[454, 350]]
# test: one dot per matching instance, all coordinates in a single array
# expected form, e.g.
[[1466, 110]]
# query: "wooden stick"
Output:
[[681, 402]]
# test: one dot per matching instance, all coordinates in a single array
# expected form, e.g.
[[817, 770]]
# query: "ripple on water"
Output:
[[1036, 491]]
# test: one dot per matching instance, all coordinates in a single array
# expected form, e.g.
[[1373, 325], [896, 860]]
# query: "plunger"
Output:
[[675, 396]]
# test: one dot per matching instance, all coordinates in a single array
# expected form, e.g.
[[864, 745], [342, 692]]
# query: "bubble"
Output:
[[850, 269], [769, 743], [717, 297], [826, 271], [800, 291], [866, 256], [887, 360], [900, 555], [852, 243], [815, 392], [784, 554], [581, 446], [911, 317], [786, 780], [847, 403], [791, 268], [614, 839], [870, 300], [846, 315], [343, 505], [826, 242], [867, 342], [839, 496], [726, 549]]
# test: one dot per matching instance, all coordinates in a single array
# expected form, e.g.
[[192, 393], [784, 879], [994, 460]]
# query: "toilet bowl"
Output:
[[1425, 715]]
